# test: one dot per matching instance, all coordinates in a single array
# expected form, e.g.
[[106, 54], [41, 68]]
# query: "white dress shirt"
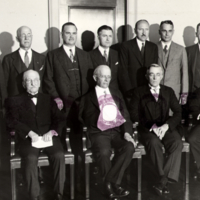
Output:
[[102, 50], [139, 42], [22, 54], [67, 50], [166, 43]]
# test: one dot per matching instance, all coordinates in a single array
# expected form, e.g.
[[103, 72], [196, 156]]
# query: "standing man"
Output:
[[173, 58], [68, 76], [136, 55], [104, 112], [150, 106], [68, 73], [104, 55], [35, 116], [193, 53], [23, 59]]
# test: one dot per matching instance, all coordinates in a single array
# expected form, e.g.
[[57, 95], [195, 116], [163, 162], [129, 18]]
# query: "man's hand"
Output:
[[162, 130], [128, 138], [183, 98], [34, 136], [198, 117], [59, 103], [47, 136]]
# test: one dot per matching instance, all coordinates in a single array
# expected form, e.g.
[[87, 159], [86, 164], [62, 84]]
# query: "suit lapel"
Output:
[[98, 58], [16, 61], [160, 54], [62, 57], [136, 51], [172, 52], [36, 62], [94, 98]]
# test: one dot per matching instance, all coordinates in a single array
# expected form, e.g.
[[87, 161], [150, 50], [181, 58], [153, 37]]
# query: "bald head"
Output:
[[102, 75], [31, 81], [24, 36]]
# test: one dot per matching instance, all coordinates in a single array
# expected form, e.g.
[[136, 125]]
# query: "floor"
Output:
[[178, 191]]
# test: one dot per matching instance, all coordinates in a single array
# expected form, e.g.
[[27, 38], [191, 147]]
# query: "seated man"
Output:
[[104, 113], [194, 136], [150, 106], [34, 114]]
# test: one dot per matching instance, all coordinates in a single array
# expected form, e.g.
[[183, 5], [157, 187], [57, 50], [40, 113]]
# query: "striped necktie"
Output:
[[26, 59]]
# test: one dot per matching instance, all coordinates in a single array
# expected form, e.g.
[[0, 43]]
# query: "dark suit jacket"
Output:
[[132, 68], [194, 106], [13, 72], [142, 108], [23, 116], [2, 86], [57, 79], [89, 111], [192, 52], [98, 59]]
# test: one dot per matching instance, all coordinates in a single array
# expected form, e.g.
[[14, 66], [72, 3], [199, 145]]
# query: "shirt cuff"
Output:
[[54, 133]]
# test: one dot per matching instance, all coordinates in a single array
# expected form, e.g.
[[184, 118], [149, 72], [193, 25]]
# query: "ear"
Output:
[[17, 38], [159, 31], [146, 75], [95, 77], [23, 84]]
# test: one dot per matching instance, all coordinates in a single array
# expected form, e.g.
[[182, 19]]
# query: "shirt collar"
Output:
[[23, 51], [139, 42], [101, 49], [67, 48], [154, 88], [164, 44]]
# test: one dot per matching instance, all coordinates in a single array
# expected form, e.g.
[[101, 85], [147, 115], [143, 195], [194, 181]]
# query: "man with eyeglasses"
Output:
[[150, 106], [35, 118], [104, 112], [173, 58], [16, 63], [104, 55]]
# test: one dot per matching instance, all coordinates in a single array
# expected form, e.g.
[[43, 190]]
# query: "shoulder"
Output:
[[129, 43], [166, 89], [94, 51], [10, 55], [55, 51], [151, 44], [38, 54], [191, 48], [113, 52], [177, 46]]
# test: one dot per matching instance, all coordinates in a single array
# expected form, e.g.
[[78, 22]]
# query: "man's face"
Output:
[[155, 75], [32, 83], [142, 31], [103, 78], [25, 38], [69, 35], [198, 34], [166, 32], [105, 38]]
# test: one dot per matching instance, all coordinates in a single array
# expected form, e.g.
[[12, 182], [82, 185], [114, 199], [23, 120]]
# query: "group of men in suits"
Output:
[[82, 84]]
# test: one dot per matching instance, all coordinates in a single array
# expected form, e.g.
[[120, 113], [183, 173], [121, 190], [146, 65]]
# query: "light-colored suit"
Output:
[[176, 68]]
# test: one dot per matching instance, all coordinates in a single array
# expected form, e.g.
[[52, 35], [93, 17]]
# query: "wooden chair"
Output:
[[89, 159], [15, 163]]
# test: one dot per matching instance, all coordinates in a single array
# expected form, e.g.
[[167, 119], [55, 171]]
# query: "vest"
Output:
[[75, 78]]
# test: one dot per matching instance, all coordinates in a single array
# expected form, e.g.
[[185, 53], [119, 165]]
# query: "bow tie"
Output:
[[33, 96]]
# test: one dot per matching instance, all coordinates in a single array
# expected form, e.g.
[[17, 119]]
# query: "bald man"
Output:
[[104, 112], [135, 56], [31, 124], [14, 64]]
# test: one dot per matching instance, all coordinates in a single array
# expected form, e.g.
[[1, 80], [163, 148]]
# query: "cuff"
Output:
[[54, 133]]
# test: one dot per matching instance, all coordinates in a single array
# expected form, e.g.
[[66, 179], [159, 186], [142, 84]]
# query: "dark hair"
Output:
[[104, 27], [167, 22], [68, 24], [198, 26], [142, 20]]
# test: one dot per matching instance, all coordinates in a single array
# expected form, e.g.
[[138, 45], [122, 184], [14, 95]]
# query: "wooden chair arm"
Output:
[[12, 141], [68, 146], [84, 139]]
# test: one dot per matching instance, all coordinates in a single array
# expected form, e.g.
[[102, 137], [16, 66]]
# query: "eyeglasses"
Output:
[[104, 76], [29, 81], [26, 36]]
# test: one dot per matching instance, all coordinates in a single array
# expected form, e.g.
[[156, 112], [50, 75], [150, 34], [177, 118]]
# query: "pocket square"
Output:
[[116, 63], [41, 68]]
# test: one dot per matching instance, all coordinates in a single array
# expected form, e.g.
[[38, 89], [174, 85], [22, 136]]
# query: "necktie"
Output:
[[155, 94], [105, 94], [71, 55], [26, 59], [142, 50], [105, 55], [165, 49]]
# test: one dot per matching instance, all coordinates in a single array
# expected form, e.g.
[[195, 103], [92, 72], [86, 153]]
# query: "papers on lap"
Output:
[[41, 143]]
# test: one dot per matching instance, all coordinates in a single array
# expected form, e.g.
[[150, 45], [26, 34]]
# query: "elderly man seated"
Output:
[[38, 123], [150, 107], [104, 112]]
